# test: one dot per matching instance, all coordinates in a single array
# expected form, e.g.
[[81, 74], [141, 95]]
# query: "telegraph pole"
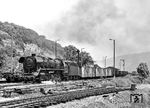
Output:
[[113, 54], [78, 52], [56, 48], [12, 53], [105, 60], [124, 64], [81, 56]]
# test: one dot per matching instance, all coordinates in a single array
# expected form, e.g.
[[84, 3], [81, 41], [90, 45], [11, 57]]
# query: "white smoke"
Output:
[[93, 22]]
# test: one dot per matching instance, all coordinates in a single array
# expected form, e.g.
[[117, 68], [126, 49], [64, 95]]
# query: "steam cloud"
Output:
[[93, 22]]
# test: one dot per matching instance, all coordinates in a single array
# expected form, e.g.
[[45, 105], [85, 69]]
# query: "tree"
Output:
[[2, 57], [1, 42], [143, 70], [72, 55], [86, 58]]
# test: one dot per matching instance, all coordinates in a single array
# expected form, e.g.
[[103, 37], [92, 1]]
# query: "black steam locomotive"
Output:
[[38, 68], [41, 68]]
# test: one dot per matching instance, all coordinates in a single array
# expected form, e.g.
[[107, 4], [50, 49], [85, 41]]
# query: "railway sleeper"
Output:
[[70, 96], [63, 97], [43, 104], [57, 99], [33, 105], [7, 93], [23, 91], [52, 102]]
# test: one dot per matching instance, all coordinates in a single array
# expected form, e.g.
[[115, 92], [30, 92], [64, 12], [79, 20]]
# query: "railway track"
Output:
[[7, 89], [5, 84], [56, 98]]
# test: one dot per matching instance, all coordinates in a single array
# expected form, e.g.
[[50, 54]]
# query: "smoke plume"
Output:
[[93, 22]]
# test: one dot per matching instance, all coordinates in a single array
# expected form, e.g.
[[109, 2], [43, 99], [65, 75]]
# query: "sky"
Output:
[[87, 24]]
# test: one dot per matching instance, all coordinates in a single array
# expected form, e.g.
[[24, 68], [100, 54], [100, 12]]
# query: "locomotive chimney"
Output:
[[33, 55]]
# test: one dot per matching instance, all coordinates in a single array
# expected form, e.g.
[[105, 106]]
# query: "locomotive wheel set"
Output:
[[37, 69]]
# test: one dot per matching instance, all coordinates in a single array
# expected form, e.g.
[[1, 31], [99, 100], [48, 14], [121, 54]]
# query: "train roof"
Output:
[[71, 63], [110, 67]]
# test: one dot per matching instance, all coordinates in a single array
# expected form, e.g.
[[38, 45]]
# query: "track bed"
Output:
[[56, 98]]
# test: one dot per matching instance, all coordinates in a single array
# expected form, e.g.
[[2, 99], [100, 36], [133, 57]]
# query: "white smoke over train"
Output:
[[92, 22]]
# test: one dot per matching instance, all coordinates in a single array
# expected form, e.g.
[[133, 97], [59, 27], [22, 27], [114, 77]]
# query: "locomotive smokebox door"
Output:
[[22, 59]]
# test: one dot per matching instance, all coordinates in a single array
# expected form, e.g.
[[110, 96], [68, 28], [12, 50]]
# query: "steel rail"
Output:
[[60, 97]]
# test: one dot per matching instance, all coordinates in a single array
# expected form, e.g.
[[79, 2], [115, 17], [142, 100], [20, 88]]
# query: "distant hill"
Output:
[[132, 60], [24, 37]]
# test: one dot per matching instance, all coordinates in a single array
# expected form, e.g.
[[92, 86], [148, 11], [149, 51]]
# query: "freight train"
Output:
[[38, 68]]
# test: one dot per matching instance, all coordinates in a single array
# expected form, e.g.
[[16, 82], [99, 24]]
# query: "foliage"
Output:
[[2, 57], [22, 36], [8, 51], [86, 58], [143, 70], [5, 56], [72, 55], [1, 43]]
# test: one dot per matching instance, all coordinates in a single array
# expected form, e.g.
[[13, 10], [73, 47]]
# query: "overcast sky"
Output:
[[85, 23]]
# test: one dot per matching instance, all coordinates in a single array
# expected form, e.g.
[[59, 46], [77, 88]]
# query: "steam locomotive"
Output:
[[38, 68]]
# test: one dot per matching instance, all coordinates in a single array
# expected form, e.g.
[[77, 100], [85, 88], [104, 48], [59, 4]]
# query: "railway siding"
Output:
[[60, 97], [7, 90]]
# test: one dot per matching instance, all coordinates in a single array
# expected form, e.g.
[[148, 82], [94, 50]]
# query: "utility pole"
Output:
[[113, 55], [124, 64], [56, 48], [12, 53], [78, 52], [81, 56], [105, 60]]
